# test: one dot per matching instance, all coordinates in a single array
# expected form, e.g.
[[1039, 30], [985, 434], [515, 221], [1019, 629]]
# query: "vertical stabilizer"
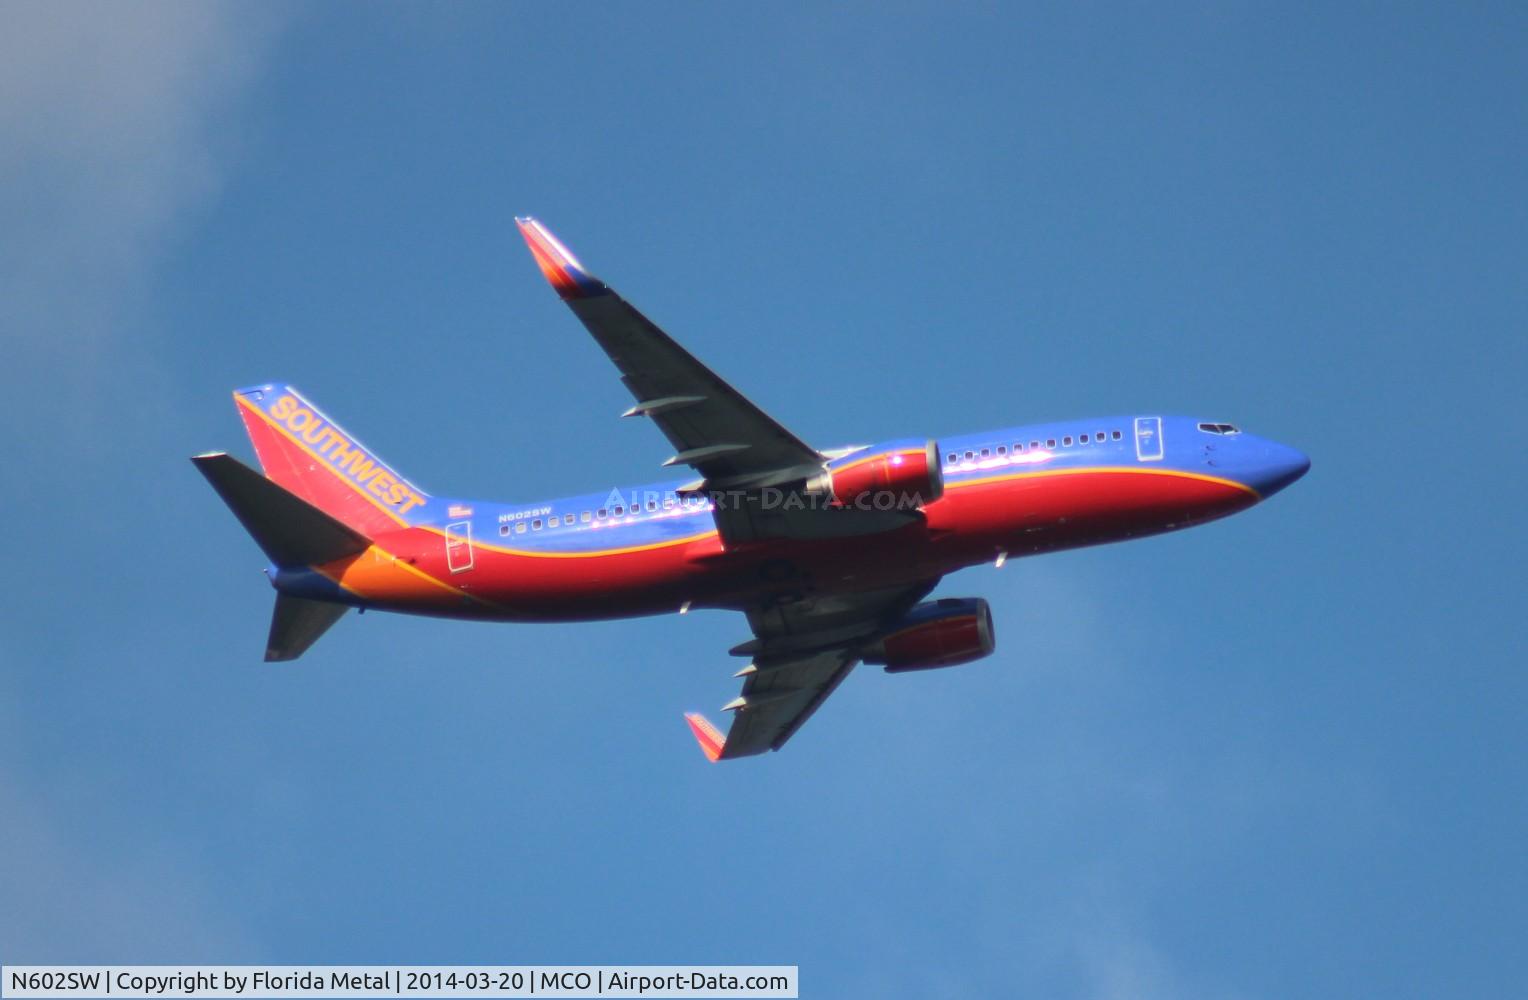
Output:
[[308, 454]]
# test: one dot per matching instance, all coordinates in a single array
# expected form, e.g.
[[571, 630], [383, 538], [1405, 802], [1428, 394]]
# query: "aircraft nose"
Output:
[[1278, 465]]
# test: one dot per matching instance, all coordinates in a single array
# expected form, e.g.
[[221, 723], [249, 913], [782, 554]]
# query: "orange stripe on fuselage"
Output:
[[378, 575]]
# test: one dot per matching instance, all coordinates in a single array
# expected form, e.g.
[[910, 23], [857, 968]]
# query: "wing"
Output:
[[779, 697], [801, 652], [712, 426]]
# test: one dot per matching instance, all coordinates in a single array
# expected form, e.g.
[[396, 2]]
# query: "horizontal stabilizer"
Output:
[[291, 531], [708, 736], [297, 624]]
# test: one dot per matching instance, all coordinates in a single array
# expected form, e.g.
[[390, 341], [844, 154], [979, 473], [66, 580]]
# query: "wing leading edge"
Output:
[[713, 427]]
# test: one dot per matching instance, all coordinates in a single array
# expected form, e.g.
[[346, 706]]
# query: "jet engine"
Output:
[[905, 476], [942, 633]]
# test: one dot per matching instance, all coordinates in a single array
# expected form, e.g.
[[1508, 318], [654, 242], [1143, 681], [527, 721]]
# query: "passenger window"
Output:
[[1082, 439], [1115, 435], [536, 524], [952, 458], [652, 505], [567, 519], [1067, 441], [986, 453], [970, 455], [619, 510], [504, 529], [1050, 442], [1002, 449], [585, 517], [602, 513], [519, 527]]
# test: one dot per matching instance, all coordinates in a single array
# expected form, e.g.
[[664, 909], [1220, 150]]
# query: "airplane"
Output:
[[831, 554]]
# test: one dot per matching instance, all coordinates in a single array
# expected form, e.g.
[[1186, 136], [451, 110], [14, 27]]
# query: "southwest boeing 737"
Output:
[[831, 554]]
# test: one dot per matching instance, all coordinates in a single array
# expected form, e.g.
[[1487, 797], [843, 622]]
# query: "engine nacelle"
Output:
[[942, 633], [904, 476]]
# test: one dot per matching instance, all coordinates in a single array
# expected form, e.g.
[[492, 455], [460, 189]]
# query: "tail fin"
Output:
[[310, 455], [294, 534]]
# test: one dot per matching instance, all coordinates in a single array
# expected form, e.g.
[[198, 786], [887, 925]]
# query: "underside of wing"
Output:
[[779, 696], [801, 652], [712, 426]]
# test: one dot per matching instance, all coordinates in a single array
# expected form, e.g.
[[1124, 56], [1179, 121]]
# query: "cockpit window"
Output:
[[1219, 428]]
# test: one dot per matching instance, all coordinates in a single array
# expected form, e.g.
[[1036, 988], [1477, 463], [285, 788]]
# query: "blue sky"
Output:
[[1278, 756]]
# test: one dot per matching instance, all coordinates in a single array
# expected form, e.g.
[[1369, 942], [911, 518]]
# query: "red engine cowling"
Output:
[[902, 477], [942, 633]]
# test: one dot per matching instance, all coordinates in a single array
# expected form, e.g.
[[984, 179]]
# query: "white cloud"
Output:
[[1118, 963], [115, 131], [112, 136]]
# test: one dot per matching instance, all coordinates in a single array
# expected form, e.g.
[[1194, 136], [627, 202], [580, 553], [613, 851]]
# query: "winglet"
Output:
[[708, 736], [557, 262]]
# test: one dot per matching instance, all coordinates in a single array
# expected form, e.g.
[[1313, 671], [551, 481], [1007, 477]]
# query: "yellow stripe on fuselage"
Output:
[[1131, 469], [392, 562], [644, 547]]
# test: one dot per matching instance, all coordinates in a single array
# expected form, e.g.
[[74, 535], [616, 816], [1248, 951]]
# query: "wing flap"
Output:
[[802, 651], [778, 701]]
